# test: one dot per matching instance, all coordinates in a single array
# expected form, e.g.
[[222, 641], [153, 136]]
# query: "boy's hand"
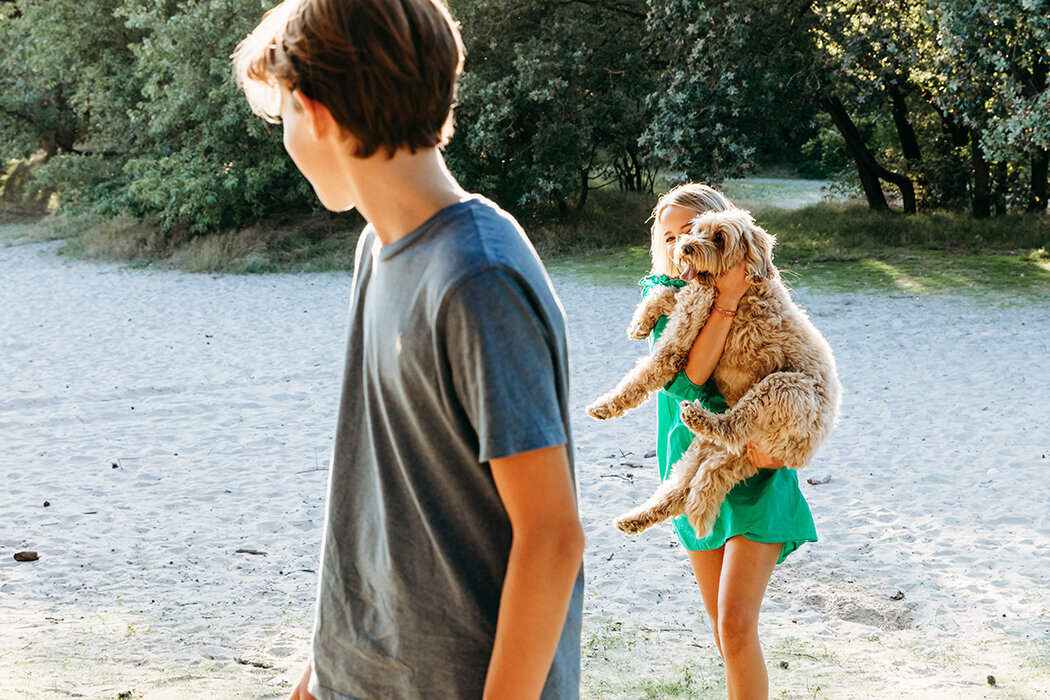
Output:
[[732, 286], [300, 692]]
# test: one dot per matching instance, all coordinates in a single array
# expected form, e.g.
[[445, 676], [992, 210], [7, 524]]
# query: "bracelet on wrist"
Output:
[[725, 312]]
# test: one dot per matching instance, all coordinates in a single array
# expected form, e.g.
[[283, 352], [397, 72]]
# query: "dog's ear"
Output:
[[758, 253]]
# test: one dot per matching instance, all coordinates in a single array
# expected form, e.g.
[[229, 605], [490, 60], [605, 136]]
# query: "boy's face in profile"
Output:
[[319, 148]]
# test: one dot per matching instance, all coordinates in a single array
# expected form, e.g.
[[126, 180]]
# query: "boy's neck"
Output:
[[397, 195]]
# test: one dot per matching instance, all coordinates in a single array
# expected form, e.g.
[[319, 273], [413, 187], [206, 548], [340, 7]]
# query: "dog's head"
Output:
[[718, 240]]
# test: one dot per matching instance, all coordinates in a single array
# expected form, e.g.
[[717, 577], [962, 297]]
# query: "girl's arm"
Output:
[[707, 348]]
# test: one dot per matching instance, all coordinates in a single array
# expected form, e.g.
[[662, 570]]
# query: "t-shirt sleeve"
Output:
[[504, 361]]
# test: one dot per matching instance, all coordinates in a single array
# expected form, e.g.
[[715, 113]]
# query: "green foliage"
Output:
[[135, 100], [553, 101], [994, 58], [922, 81], [735, 72], [133, 106], [205, 160]]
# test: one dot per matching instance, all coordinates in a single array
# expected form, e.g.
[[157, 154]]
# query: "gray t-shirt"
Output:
[[457, 355]]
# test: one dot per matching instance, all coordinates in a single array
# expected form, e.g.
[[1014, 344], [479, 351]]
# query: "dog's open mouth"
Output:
[[688, 273]]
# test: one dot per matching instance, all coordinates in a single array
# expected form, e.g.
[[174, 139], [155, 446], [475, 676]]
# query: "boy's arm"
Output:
[[545, 557]]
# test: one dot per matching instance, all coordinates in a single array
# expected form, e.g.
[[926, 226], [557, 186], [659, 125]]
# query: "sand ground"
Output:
[[170, 420]]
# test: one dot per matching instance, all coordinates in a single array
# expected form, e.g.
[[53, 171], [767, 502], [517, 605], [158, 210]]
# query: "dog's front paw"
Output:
[[632, 525], [639, 330], [602, 410], [697, 418]]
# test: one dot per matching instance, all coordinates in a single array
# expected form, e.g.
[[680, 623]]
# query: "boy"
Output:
[[451, 561]]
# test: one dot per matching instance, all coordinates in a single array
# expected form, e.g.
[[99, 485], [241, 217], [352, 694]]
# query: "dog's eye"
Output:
[[718, 238]]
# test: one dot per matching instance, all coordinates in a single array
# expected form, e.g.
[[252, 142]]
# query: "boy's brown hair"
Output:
[[385, 69]]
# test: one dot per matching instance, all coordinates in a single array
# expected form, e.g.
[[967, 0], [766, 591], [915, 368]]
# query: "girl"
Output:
[[762, 519]]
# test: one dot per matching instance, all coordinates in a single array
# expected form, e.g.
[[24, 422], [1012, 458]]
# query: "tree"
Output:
[[995, 57], [133, 103], [201, 160], [740, 69], [553, 100], [64, 72]]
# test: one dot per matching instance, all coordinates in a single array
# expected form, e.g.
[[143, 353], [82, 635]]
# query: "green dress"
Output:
[[768, 507]]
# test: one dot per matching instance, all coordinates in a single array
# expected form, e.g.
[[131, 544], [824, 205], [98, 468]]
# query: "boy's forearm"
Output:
[[537, 589]]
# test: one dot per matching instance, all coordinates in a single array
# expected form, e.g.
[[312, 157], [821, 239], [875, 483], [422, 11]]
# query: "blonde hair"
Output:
[[695, 196]]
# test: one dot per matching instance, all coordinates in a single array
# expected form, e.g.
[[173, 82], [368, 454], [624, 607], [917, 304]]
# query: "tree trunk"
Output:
[[868, 180], [1001, 186], [982, 202], [899, 107], [585, 187], [66, 137], [637, 165], [867, 166], [1037, 197], [49, 145]]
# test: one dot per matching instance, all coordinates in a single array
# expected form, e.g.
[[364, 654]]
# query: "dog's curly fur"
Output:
[[776, 372]]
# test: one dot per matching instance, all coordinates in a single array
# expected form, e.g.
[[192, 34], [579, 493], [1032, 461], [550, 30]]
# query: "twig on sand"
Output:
[[797, 653], [256, 664], [14, 650], [257, 552], [625, 477]]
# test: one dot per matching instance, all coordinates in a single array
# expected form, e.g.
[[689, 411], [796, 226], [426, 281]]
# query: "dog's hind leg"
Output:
[[668, 357], [670, 497], [709, 486], [778, 399]]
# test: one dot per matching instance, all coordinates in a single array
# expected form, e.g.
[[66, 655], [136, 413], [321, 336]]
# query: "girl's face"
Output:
[[672, 223]]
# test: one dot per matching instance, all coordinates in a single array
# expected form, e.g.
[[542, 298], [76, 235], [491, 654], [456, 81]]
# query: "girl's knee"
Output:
[[737, 630]]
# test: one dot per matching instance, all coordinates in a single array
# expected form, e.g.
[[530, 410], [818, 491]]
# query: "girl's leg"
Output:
[[707, 565], [746, 568]]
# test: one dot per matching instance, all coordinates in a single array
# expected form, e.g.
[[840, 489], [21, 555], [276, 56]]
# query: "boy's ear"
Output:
[[318, 119]]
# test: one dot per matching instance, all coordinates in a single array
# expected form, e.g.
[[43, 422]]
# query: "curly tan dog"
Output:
[[776, 372]]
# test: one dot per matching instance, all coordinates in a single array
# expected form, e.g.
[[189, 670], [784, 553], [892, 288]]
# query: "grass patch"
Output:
[[842, 248], [846, 248], [832, 246], [306, 243], [1039, 654], [621, 661], [612, 220], [847, 232]]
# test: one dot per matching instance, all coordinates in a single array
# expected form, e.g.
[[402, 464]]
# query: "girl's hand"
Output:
[[731, 287], [760, 460]]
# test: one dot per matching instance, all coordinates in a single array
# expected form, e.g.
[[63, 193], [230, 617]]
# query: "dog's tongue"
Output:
[[688, 274]]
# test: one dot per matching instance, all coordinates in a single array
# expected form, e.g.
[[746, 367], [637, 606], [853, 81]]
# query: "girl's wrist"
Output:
[[726, 302]]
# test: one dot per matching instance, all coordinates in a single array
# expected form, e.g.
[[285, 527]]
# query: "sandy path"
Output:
[[215, 398]]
